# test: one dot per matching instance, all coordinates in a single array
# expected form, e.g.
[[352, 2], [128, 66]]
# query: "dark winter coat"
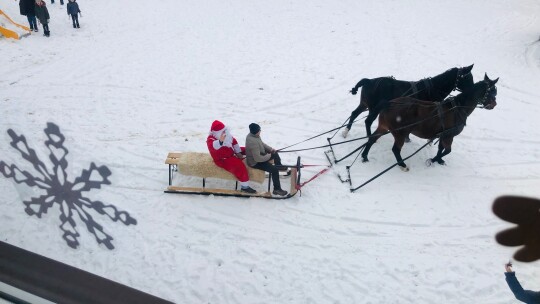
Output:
[[27, 7], [42, 13], [526, 296], [73, 8]]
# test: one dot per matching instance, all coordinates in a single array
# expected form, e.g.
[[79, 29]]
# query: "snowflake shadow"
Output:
[[68, 195]]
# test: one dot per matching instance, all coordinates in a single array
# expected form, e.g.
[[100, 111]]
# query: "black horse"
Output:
[[429, 120], [378, 90]]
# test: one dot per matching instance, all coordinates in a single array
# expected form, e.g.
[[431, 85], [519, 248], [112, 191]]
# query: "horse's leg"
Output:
[[445, 147], [361, 108], [369, 120], [437, 157], [374, 112], [399, 140], [372, 139]]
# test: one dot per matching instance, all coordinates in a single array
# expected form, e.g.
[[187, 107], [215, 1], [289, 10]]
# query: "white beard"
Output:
[[227, 142]]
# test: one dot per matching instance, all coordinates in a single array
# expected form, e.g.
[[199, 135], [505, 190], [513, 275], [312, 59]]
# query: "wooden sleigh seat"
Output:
[[202, 165]]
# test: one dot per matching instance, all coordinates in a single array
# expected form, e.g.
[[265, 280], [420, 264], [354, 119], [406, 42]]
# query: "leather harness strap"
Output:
[[440, 114], [428, 84], [413, 87]]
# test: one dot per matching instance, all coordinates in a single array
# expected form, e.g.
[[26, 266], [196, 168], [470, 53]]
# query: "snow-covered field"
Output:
[[142, 78]]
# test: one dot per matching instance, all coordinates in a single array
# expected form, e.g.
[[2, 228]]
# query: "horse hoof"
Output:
[[365, 160], [404, 169], [429, 162], [345, 133]]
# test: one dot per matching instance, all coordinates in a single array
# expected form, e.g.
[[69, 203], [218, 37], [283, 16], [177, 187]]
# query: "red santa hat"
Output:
[[217, 126]]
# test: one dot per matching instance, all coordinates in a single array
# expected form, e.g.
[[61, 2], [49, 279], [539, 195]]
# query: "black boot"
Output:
[[248, 189], [279, 192]]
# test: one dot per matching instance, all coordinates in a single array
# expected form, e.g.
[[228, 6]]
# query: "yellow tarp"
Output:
[[8, 27]]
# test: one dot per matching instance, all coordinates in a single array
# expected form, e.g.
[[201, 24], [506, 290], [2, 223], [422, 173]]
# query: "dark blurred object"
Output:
[[57, 282], [525, 212]]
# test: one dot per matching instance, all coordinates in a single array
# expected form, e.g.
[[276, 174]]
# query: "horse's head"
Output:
[[464, 79], [482, 94], [460, 79], [490, 96]]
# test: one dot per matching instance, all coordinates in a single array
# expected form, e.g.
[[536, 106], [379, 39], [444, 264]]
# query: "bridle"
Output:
[[490, 92], [459, 77], [460, 114]]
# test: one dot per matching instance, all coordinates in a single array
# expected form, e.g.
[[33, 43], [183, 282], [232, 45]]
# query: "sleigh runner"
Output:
[[201, 165]]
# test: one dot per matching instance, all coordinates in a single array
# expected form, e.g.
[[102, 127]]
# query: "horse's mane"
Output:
[[448, 75]]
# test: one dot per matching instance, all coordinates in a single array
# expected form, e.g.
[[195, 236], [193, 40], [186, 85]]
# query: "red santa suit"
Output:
[[224, 153]]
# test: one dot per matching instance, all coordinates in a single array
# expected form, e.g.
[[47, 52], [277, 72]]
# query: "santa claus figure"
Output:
[[227, 154]]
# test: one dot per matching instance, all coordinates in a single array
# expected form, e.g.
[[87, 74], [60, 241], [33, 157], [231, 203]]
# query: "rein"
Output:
[[439, 135], [387, 169], [428, 84], [451, 100], [351, 140]]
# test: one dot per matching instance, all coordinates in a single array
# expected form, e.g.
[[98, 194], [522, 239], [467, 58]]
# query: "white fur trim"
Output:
[[216, 145]]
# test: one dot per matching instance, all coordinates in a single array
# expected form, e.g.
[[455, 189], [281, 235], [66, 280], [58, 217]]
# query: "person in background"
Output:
[[27, 9], [259, 154], [73, 10], [227, 154], [526, 296], [43, 16]]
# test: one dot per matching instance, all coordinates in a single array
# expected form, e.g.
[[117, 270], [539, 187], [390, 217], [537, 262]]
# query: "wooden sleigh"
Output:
[[201, 165]]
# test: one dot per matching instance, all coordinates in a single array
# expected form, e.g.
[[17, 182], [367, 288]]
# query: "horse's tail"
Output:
[[359, 84]]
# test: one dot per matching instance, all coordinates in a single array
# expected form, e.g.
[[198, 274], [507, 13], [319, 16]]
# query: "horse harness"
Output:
[[490, 91], [458, 77], [440, 113], [428, 84]]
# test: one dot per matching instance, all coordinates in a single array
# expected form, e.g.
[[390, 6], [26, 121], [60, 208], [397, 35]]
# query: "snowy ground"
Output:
[[140, 79]]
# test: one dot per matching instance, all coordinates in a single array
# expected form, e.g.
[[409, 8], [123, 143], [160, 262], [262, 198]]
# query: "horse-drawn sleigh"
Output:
[[401, 115]]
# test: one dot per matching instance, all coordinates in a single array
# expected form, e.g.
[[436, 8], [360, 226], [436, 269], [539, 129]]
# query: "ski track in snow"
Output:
[[125, 91]]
